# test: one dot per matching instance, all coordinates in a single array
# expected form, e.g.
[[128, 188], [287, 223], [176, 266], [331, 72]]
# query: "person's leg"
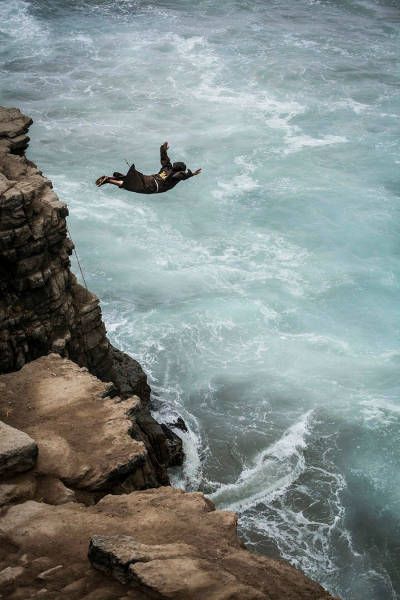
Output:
[[106, 179], [114, 181], [133, 180]]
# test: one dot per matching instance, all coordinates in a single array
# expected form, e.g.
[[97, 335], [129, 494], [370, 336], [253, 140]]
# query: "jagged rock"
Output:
[[175, 448], [171, 570], [116, 553], [166, 446], [167, 543], [47, 398], [129, 377], [179, 424], [13, 126], [18, 451], [12, 122], [42, 306]]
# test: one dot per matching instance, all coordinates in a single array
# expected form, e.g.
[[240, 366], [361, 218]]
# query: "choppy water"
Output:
[[262, 297]]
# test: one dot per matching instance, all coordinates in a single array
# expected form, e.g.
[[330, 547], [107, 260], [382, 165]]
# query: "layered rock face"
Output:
[[42, 306]]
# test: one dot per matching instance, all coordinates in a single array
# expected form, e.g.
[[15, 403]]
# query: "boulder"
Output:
[[18, 451]]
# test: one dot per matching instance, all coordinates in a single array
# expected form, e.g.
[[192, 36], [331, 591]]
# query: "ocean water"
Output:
[[262, 297]]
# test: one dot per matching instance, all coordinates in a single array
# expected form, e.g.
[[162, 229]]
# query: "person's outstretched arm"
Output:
[[182, 175], [164, 158]]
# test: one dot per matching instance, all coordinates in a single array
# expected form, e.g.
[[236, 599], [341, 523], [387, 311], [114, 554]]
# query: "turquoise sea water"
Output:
[[262, 297]]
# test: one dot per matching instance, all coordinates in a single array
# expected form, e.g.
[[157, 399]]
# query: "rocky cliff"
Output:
[[75, 450], [64, 446], [42, 306]]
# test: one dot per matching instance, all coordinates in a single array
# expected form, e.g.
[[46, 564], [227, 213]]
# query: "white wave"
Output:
[[170, 407], [239, 185], [191, 474], [256, 100], [298, 142], [273, 470], [244, 162], [350, 103], [304, 541], [380, 411], [186, 45], [322, 342], [15, 17], [196, 51]]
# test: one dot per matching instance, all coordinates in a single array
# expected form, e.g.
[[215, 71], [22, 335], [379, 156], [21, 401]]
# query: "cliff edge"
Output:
[[42, 306]]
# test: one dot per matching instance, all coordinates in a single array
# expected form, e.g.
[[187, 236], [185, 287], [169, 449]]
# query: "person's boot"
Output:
[[101, 180]]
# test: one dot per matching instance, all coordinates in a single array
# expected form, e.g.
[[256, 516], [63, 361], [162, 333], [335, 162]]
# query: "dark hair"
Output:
[[179, 166]]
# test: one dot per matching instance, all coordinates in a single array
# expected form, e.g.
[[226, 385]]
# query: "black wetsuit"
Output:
[[164, 180]]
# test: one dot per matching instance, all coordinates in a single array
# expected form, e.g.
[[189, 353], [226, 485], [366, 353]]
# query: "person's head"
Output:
[[179, 166]]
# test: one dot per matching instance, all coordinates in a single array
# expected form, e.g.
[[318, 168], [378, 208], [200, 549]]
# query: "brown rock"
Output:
[[182, 578], [13, 124], [173, 544], [115, 554], [47, 398], [171, 570], [18, 451], [53, 491]]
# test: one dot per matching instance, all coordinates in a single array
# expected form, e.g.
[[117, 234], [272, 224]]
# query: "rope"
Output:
[[77, 259], [87, 289]]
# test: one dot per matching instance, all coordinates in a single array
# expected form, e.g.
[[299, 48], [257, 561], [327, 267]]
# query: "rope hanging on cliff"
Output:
[[77, 259]]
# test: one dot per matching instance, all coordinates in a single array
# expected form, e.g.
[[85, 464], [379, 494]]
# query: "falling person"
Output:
[[167, 177]]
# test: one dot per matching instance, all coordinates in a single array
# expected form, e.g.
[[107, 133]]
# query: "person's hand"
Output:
[[166, 146], [197, 172]]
